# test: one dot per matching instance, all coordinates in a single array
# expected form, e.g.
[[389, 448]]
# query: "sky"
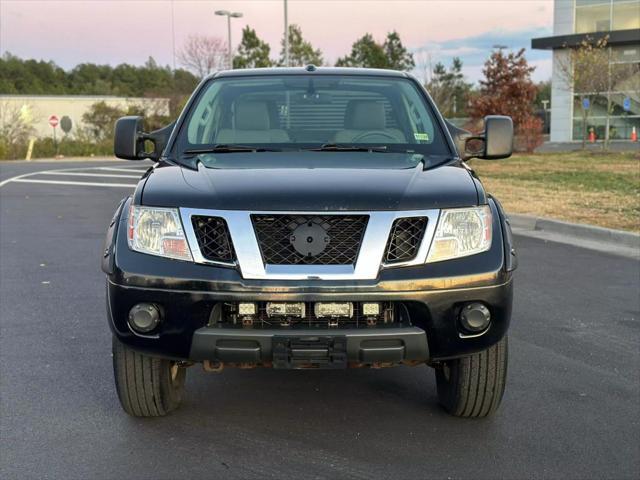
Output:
[[129, 31]]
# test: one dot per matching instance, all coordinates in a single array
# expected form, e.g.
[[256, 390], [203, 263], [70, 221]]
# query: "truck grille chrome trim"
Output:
[[371, 256]]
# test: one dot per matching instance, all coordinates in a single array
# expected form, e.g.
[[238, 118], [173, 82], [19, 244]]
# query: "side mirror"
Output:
[[129, 139], [494, 143]]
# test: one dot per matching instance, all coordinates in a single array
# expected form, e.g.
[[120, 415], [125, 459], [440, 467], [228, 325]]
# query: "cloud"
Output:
[[474, 51]]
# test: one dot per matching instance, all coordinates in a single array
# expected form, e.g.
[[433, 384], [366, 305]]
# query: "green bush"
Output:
[[44, 148]]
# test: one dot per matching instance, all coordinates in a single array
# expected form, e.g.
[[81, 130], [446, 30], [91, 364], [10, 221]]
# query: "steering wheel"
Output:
[[373, 133]]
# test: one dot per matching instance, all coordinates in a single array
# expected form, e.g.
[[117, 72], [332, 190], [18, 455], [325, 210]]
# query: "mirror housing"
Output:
[[494, 143], [498, 137], [129, 139]]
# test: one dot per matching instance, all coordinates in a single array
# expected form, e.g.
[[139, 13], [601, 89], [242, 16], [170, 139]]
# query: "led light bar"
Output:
[[248, 308], [333, 309], [371, 309], [285, 309]]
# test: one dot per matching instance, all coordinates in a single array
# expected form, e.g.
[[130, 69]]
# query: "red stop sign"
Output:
[[53, 121]]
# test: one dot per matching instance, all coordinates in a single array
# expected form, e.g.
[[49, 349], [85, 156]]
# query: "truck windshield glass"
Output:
[[315, 112]]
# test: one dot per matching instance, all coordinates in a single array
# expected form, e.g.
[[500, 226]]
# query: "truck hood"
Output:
[[311, 186]]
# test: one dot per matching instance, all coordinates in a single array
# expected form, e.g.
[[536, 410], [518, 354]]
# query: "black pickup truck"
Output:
[[310, 218]]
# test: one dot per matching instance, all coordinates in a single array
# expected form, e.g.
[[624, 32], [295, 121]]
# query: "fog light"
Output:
[[475, 317], [370, 309], [144, 317], [333, 309], [247, 309], [285, 309]]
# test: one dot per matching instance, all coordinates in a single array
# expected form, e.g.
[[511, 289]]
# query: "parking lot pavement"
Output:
[[571, 408]]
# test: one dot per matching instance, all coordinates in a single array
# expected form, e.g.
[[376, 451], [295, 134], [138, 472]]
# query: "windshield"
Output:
[[311, 112]]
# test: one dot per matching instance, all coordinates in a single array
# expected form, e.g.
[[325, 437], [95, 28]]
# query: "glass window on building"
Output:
[[617, 109], [626, 14], [624, 108], [604, 15], [625, 54], [593, 16]]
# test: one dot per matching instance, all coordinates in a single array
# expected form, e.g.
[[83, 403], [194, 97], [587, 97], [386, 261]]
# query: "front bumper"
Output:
[[303, 348], [433, 294]]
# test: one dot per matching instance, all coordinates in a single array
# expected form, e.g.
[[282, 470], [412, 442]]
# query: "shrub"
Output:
[[529, 134]]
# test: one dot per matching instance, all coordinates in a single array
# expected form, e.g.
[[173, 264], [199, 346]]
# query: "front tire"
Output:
[[146, 386], [473, 386]]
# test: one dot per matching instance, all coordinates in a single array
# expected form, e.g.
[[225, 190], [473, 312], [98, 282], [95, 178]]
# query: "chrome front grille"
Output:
[[309, 239], [353, 246]]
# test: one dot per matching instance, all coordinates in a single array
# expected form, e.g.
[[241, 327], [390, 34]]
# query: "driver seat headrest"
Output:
[[252, 116], [364, 115]]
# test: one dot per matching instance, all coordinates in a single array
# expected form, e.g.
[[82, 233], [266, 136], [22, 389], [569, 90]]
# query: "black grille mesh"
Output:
[[213, 238], [345, 234], [404, 241]]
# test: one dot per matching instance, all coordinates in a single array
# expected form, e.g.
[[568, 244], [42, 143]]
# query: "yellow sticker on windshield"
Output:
[[421, 136]]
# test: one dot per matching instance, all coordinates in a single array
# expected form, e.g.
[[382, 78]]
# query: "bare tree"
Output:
[[587, 72], [203, 54], [424, 67]]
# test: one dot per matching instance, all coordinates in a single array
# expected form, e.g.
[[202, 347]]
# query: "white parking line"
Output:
[[13, 179], [63, 182], [81, 174], [113, 169], [74, 171]]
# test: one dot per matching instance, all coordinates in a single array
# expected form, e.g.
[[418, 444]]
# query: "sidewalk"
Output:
[[614, 146], [615, 242]]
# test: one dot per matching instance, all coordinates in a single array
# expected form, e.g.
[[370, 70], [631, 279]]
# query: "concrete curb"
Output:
[[584, 232]]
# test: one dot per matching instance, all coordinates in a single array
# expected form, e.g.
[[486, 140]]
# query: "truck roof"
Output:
[[309, 69]]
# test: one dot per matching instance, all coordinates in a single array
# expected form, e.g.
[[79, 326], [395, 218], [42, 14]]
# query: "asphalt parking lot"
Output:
[[571, 408]]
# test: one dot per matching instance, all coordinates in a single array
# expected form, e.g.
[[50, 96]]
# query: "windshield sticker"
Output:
[[421, 136]]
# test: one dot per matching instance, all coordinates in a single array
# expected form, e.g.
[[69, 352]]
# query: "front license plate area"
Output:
[[309, 352]]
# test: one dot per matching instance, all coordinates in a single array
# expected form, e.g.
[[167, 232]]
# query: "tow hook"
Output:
[[212, 367]]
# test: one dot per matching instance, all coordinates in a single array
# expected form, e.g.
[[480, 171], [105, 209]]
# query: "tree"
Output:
[[543, 93], [252, 52], [448, 88], [585, 71], [203, 54], [366, 52], [34, 77], [507, 89], [101, 118], [301, 52], [398, 58]]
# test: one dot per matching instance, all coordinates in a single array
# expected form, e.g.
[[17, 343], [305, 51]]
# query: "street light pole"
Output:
[[229, 54], [229, 15], [286, 36]]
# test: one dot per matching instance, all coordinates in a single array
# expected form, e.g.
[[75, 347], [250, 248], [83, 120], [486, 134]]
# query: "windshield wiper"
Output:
[[336, 147], [229, 148]]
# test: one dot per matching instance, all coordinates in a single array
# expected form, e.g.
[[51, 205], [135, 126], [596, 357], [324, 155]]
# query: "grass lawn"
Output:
[[582, 187]]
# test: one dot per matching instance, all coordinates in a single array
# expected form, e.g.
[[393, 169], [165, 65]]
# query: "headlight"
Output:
[[157, 231], [461, 232]]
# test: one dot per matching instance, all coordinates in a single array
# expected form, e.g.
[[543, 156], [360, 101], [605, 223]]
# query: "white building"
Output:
[[575, 21], [36, 109]]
